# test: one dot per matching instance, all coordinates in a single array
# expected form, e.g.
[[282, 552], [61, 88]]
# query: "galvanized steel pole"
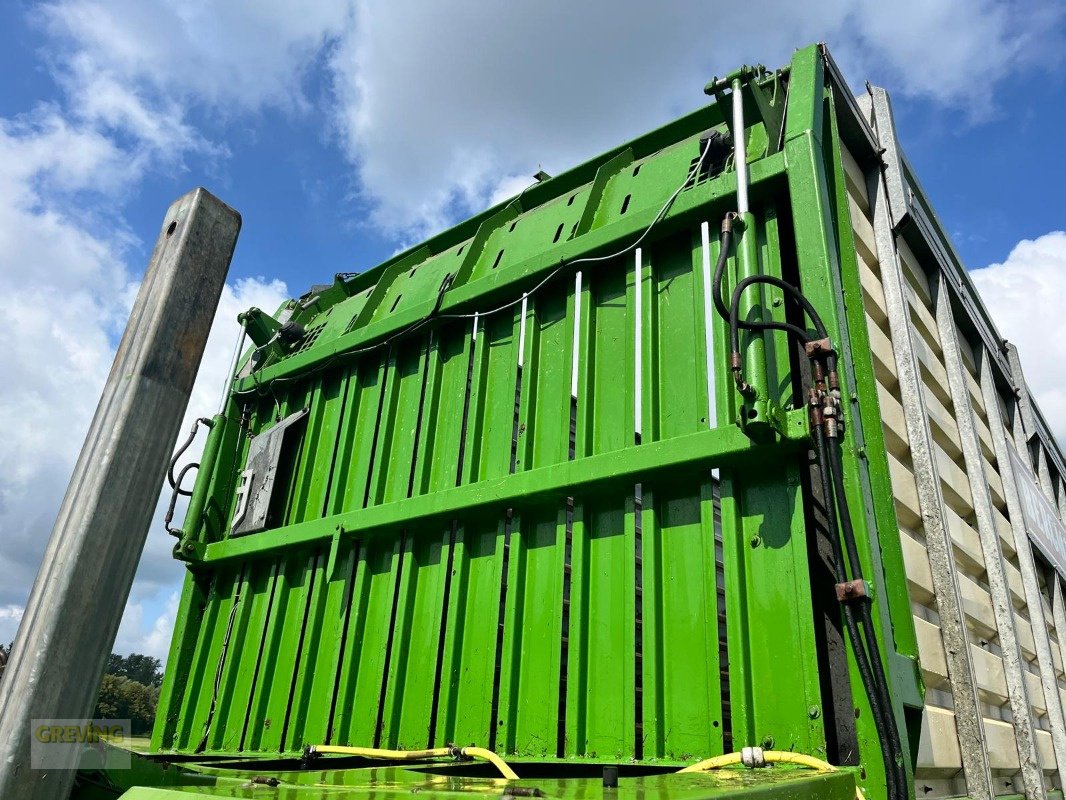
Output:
[[81, 589]]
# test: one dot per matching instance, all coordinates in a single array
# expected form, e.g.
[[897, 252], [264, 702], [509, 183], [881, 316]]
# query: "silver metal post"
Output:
[[232, 369], [1002, 441], [995, 572], [961, 678], [740, 154], [81, 589]]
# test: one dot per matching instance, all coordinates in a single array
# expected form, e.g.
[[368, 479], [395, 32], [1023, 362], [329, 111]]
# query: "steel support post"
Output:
[[938, 542], [1002, 608], [1026, 565], [81, 589]]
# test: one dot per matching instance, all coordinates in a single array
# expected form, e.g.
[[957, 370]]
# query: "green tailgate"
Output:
[[526, 508]]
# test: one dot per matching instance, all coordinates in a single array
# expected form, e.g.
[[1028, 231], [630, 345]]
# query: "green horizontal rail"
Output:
[[652, 461]]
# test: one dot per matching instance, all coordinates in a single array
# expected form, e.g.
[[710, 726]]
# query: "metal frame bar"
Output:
[[705, 449], [938, 541], [1002, 607], [1027, 566]]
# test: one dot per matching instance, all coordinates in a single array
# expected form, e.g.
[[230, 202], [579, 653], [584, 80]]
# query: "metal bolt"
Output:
[[768, 743], [756, 541], [814, 712], [777, 302]]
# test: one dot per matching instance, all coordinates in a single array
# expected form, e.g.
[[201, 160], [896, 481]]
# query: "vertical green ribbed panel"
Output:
[[518, 631], [586, 626]]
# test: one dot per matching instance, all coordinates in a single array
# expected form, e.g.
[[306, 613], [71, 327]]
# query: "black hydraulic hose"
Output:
[[169, 516], [719, 267], [736, 324], [796, 295], [836, 466], [839, 571], [896, 765], [867, 673], [175, 483], [887, 730]]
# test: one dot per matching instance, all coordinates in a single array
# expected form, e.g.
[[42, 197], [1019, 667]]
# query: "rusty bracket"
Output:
[[850, 591], [819, 347]]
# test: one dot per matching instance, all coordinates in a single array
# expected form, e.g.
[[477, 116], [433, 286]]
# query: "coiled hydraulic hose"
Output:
[[860, 625], [477, 753], [756, 757]]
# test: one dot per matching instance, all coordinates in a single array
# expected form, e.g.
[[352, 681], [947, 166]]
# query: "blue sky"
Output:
[[343, 131]]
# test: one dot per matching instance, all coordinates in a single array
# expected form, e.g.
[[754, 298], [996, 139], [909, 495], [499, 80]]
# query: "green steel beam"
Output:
[[588, 476], [599, 183]]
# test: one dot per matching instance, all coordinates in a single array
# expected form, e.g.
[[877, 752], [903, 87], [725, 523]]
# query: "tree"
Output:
[[141, 668], [130, 690], [123, 698]]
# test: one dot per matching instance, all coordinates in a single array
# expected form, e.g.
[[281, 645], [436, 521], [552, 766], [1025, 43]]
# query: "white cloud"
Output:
[[440, 103], [143, 632], [65, 274], [232, 56], [439, 107], [1026, 295], [66, 285]]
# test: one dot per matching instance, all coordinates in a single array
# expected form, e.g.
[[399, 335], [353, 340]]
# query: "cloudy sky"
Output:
[[344, 130]]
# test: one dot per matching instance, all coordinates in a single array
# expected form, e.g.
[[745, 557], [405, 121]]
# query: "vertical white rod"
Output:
[[577, 335], [522, 331], [638, 350], [708, 321], [232, 369], [740, 155]]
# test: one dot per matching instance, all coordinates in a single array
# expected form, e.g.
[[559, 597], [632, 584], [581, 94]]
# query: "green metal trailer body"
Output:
[[503, 490]]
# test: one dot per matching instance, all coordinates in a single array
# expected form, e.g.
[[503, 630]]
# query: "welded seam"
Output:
[[349, 594], [259, 657], [438, 672], [382, 697], [315, 561]]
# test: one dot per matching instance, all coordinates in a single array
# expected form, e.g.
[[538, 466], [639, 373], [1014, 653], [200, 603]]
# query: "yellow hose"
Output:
[[478, 753], [769, 757], [392, 755], [481, 754]]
